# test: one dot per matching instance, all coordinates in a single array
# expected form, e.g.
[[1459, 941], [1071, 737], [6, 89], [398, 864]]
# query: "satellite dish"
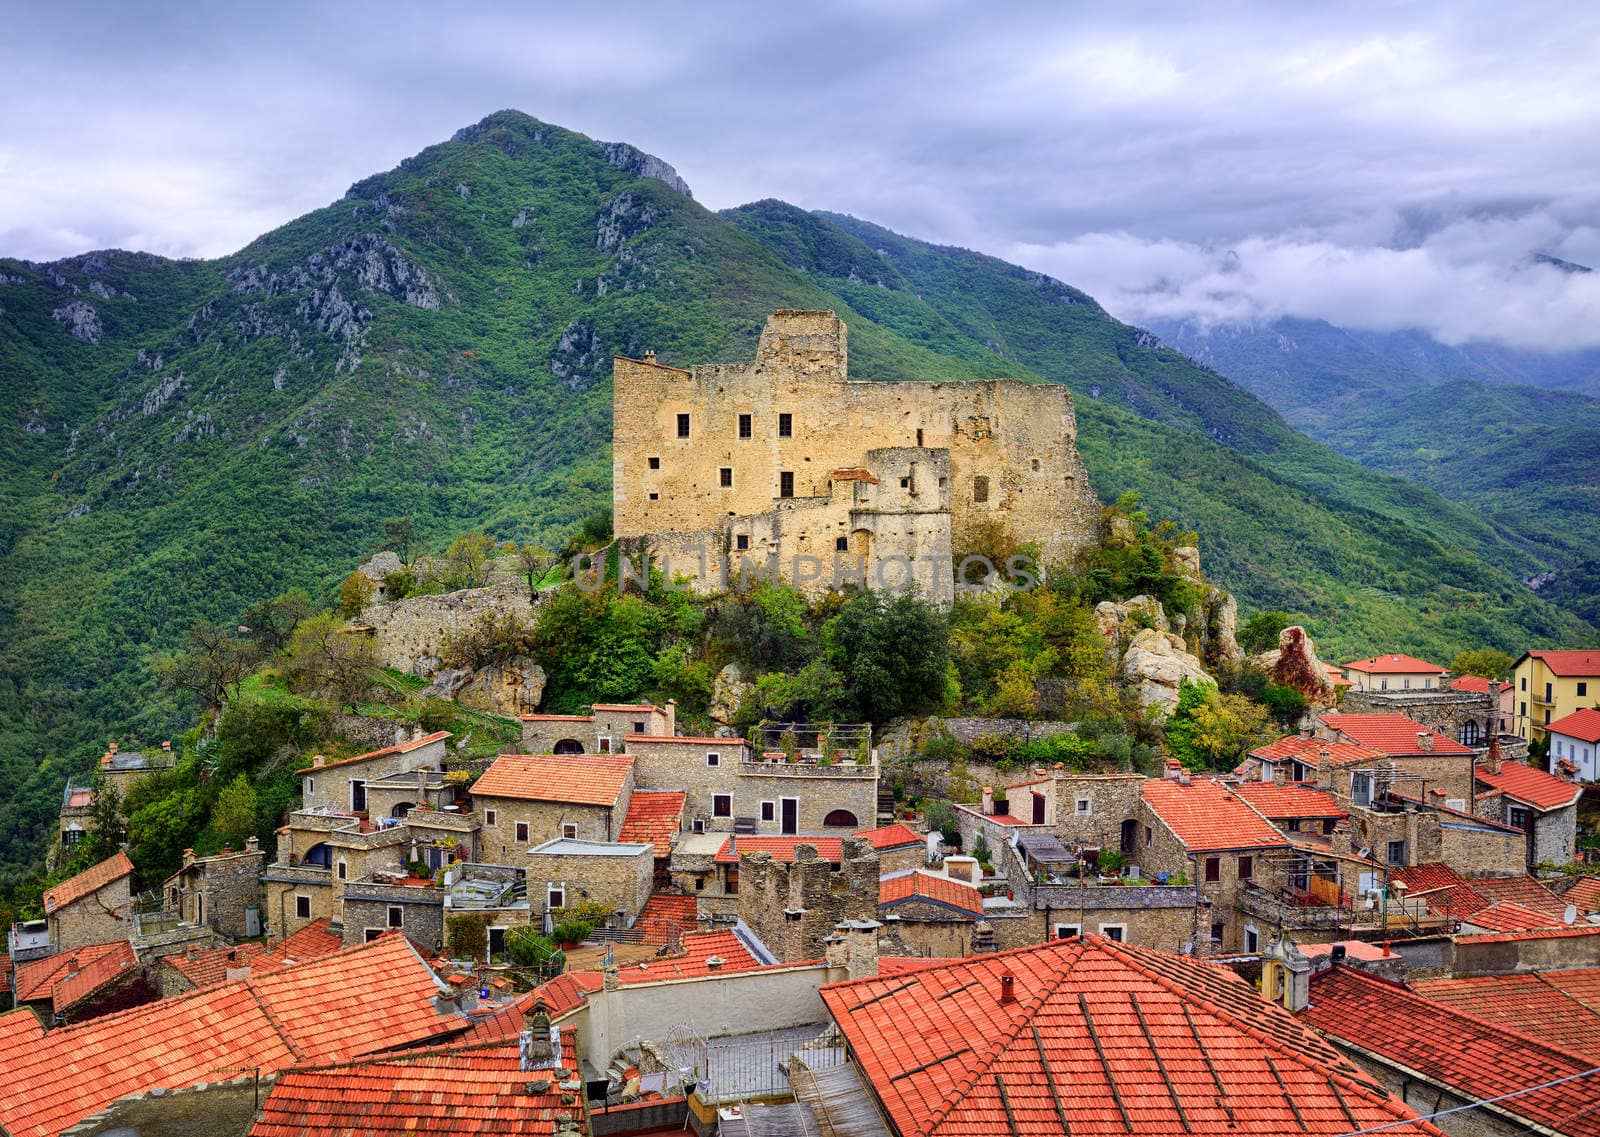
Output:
[[1570, 916]]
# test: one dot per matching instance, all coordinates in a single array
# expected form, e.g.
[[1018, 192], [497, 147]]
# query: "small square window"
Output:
[[1397, 852], [721, 805], [1247, 868], [655, 497], [725, 476], [980, 489], [1113, 932], [1082, 805], [744, 426], [489, 816], [786, 483], [1066, 931], [742, 541], [785, 425], [655, 463], [769, 811], [556, 897], [302, 907], [1213, 869], [638, 728], [1036, 463], [397, 916], [905, 483], [603, 744], [569, 830], [713, 758], [841, 544], [522, 831], [1583, 689], [683, 426]]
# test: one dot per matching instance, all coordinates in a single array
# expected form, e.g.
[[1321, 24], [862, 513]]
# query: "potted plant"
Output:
[[570, 933]]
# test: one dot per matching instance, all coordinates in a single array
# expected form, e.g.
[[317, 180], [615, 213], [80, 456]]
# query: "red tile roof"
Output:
[[1396, 665], [92, 879], [698, 948], [311, 942], [1530, 786], [1540, 934], [399, 748], [1508, 917], [1474, 1058], [930, 888], [1568, 663], [80, 799], [1308, 750], [204, 968], [1523, 890], [1446, 891], [1560, 1007], [781, 848], [578, 779], [1583, 725], [1296, 799], [1101, 1038], [1394, 734], [90, 978], [1206, 817], [450, 1092], [1474, 684], [896, 836], [906, 964], [37, 978], [1585, 895], [364, 999], [654, 817], [647, 707], [663, 914]]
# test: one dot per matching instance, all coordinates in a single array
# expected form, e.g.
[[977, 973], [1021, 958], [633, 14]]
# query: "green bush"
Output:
[[571, 932]]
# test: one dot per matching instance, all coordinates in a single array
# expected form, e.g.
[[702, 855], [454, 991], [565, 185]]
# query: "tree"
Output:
[[327, 660], [108, 829], [233, 817], [1260, 632], [1484, 662], [355, 593], [398, 534], [212, 664], [1212, 730], [467, 561], [273, 621], [534, 564], [892, 651]]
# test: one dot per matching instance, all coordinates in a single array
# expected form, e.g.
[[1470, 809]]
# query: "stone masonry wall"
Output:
[[614, 882], [105, 914], [498, 843], [793, 908], [411, 634], [367, 905]]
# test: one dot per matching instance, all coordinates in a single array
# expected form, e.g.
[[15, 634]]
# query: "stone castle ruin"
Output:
[[783, 465]]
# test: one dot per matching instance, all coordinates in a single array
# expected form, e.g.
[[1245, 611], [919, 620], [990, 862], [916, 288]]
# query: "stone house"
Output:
[[1542, 805], [601, 731], [617, 876], [1394, 673], [342, 785], [125, 768], [784, 465], [524, 800], [1169, 917], [223, 892], [1420, 762], [1471, 717], [931, 914], [77, 814], [900, 848], [392, 901], [318, 854], [96, 906], [1550, 685]]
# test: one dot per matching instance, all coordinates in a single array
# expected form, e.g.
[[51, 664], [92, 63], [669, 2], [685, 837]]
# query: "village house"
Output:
[[196, 967], [524, 800], [1545, 807], [1419, 762], [96, 906], [77, 814], [1575, 739], [223, 891], [655, 818], [123, 769], [342, 785], [83, 983], [1551, 685], [1471, 714], [1501, 697], [393, 901], [612, 876], [1395, 672], [601, 731]]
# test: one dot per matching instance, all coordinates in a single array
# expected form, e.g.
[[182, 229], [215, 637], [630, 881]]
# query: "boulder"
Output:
[[728, 690], [381, 566], [1156, 665], [1294, 663], [1222, 628], [1188, 558], [511, 688]]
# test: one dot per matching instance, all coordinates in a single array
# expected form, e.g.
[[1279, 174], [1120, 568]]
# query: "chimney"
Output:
[[1491, 762], [1008, 993], [534, 1046], [1172, 768], [1279, 772], [319, 759], [1184, 777], [1339, 839], [252, 844], [988, 801], [982, 939], [188, 857], [649, 357], [1325, 770], [1425, 740], [714, 962], [113, 747], [672, 717], [166, 748], [861, 947]]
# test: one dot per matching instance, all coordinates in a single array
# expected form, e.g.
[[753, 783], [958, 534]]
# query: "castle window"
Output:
[[744, 426], [786, 483], [683, 426], [919, 436], [841, 544], [1036, 463], [655, 463], [302, 907], [785, 425], [741, 542], [905, 483], [980, 489], [726, 476]]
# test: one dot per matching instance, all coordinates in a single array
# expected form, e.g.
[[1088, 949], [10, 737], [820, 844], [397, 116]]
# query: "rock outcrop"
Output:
[[410, 634], [1294, 663], [728, 690], [1156, 664]]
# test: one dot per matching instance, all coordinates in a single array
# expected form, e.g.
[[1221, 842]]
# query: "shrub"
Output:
[[942, 748], [466, 937], [355, 593], [1112, 861], [571, 932]]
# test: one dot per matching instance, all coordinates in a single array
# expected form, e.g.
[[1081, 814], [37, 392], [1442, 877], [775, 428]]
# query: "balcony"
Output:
[[1300, 910], [778, 766]]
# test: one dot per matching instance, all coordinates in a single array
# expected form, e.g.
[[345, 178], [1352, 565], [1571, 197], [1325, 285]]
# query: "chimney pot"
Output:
[[113, 748], [1424, 740], [166, 747], [318, 759], [1008, 993], [649, 357], [714, 963]]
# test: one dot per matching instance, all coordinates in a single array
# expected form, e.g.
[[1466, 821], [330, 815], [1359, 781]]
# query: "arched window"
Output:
[[567, 746], [402, 809], [1469, 733], [319, 855], [840, 818]]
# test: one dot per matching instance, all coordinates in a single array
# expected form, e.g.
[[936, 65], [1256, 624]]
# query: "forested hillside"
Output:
[[188, 439]]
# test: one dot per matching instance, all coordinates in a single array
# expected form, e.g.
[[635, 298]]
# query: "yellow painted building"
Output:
[[1549, 685]]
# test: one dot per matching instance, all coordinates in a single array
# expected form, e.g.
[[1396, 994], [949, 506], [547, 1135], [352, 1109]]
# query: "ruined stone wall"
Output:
[[105, 914], [942, 461], [411, 634], [224, 886], [1555, 835], [793, 908]]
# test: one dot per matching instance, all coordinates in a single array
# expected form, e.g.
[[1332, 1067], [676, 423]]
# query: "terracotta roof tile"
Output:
[[1524, 890], [5, 974], [665, 915], [654, 817], [364, 999], [1473, 1057], [1207, 817], [1307, 750], [204, 968], [1102, 1038], [1509, 917], [781, 848], [1585, 895], [399, 748], [1393, 734], [75, 987], [1583, 725], [1396, 665], [430, 1095], [698, 948], [578, 779], [311, 942], [894, 836], [37, 978], [1446, 891], [1560, 1007], [1568, 663], [92, 879], [930, 888], [1281, 802], [1533, 787], [1541, 934], [1472, 684]]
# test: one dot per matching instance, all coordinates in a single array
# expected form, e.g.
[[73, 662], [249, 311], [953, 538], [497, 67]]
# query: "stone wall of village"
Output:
[[607, 877]]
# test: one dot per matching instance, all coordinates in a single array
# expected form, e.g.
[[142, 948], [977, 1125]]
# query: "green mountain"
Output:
[[188, 438]]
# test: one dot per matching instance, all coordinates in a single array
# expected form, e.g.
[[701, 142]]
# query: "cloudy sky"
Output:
[[1380, 165]]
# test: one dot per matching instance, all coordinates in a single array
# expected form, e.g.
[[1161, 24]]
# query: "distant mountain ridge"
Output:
[[190, 437]]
